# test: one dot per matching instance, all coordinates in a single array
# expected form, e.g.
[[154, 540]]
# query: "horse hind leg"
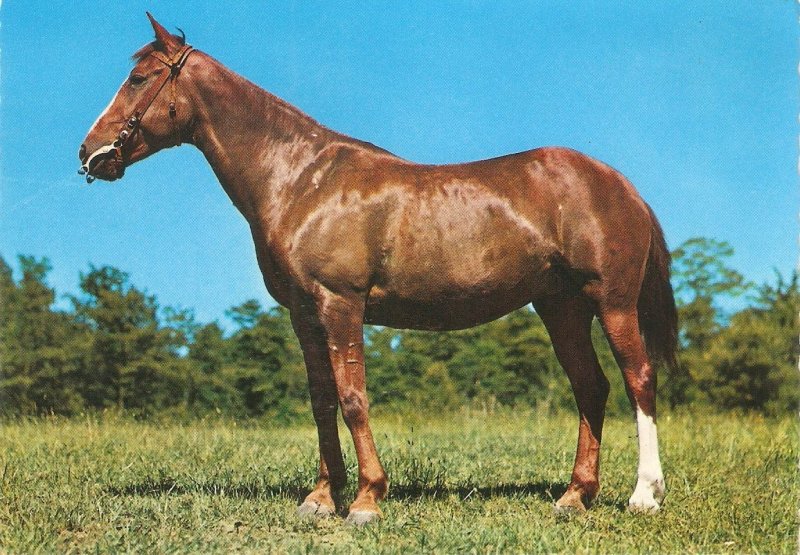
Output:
[[622, 330], [569, 322]]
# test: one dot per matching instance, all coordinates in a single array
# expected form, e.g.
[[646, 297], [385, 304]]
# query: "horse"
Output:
[[347, 233]]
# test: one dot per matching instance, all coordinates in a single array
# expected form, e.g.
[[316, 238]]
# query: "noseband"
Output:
[[133, 122]]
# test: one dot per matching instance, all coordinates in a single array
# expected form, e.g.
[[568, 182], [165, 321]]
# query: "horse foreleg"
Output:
[[321, 502], [622, 330], [343, 320], [569, 324]]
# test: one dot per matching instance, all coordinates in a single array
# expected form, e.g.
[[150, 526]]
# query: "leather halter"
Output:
[[132, 123]]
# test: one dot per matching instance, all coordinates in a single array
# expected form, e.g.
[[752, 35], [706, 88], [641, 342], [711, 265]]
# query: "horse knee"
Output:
[[354, 407]]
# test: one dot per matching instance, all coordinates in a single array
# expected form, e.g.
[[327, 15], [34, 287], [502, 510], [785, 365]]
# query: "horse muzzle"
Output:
[[104, 163]]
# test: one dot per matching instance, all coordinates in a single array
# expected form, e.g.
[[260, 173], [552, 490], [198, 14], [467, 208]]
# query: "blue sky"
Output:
[[696, 102]]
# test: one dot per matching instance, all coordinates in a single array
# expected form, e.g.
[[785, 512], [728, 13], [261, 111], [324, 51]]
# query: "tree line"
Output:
[[115, 347]]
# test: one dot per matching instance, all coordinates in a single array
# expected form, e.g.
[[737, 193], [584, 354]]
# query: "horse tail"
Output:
[[658, 317]]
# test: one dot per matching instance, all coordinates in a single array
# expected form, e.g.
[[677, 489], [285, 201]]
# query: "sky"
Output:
[[695, 102]]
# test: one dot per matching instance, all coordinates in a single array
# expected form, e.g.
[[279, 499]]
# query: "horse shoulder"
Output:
[[334, 229]]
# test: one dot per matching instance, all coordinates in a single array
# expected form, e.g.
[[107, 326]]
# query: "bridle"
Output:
[[133, 122]]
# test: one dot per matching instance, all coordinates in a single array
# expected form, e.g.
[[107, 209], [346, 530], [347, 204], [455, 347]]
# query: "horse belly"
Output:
[[473, 285], [450, 314]]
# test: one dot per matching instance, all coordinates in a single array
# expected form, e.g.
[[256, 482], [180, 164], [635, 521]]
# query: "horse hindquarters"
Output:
[[632, 297]]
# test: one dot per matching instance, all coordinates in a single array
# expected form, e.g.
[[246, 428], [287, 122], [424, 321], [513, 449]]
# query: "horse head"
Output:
[[150, 111]]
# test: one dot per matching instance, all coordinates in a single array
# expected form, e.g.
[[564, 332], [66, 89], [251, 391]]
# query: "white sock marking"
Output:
[[649, 490]]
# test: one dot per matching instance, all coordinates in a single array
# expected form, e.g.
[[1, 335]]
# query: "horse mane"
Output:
[[284, 114], [149, 48]]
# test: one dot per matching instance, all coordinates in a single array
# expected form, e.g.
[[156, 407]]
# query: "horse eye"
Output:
[[137, 79]]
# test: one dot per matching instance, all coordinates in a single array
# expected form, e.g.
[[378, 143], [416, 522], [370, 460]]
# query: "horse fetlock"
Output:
[[585, 481], [379, 487], [322, 493], [373, 484]]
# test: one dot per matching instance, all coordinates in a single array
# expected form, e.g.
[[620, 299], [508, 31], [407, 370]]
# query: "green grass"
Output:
[[468, 484]]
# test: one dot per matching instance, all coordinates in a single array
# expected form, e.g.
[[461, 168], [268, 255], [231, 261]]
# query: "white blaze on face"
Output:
[[107, 108], [86, 167], [649, 490]]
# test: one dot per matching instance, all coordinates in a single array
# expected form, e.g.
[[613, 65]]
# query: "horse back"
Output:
[[469, 241]]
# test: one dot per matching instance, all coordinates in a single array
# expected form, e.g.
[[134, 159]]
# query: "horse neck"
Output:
[[257, 144]]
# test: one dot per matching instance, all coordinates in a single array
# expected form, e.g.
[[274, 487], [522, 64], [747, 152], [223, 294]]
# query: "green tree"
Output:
[[753, 362], [701, 279], [538, 379], [479, 370], [39, 364], [133, 361], [199, 351], [437, 391], [208, 349], [266, 363], [212, 388], [396, 360], [700, 271], [507, 361]]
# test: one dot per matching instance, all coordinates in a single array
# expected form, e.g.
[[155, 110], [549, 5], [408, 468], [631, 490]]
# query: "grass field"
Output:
[[471, 484]]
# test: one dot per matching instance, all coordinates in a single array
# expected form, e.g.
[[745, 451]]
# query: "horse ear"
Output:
[[163, 37]]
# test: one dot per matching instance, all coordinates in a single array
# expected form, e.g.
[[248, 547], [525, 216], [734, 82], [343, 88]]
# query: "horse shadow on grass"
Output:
[[546, 491], [245, 490]]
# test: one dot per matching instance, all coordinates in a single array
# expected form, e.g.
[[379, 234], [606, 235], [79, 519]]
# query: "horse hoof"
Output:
[[568, 510], [313, 509], [643, 506], [570, 503], [360, 518]]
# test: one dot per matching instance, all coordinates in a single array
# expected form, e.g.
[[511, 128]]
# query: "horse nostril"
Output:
[[82, 152]]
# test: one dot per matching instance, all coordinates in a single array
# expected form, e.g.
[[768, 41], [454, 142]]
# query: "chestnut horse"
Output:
[[347, 233]]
